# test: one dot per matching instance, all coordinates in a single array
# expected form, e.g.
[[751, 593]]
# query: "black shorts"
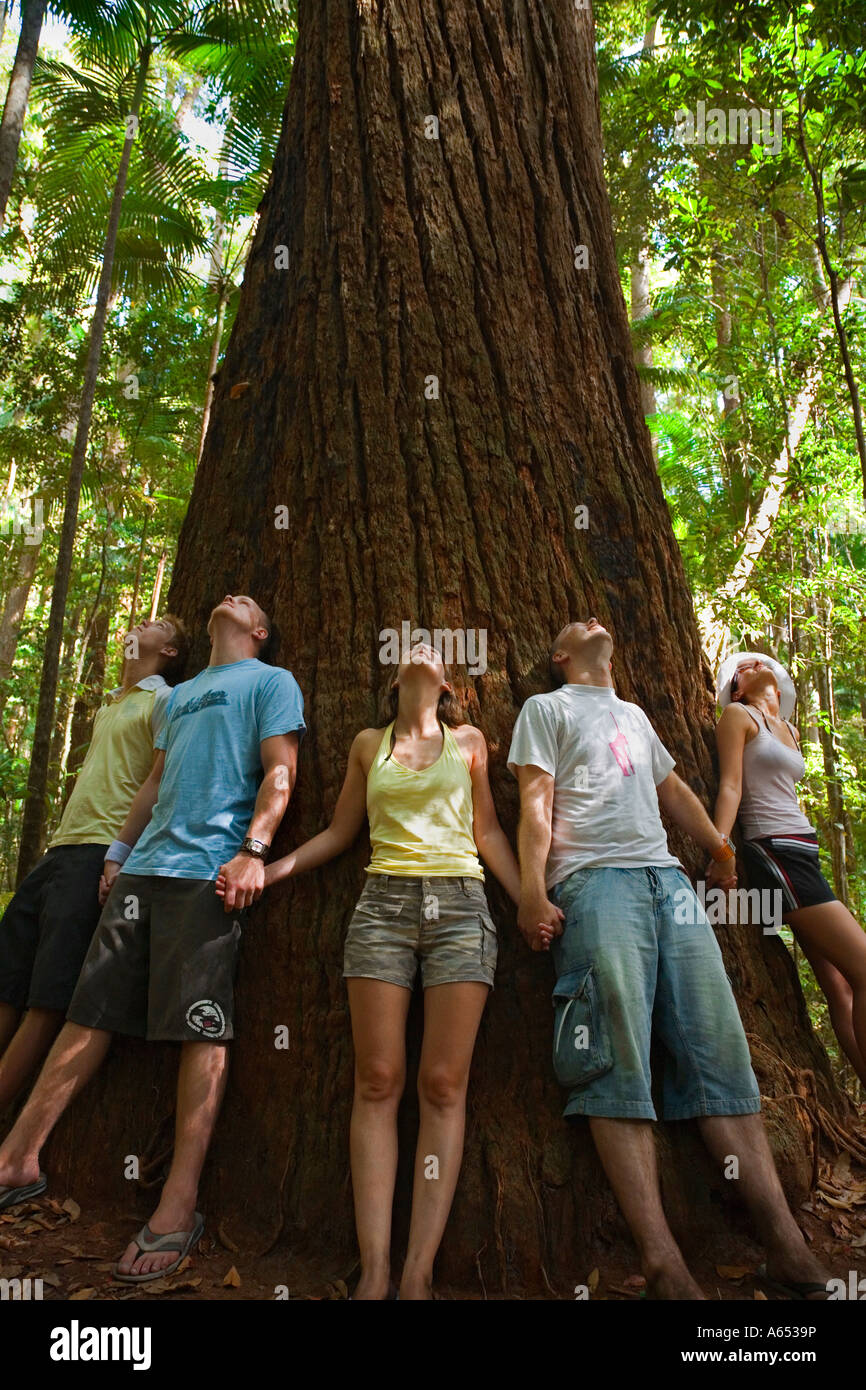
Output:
[[162, 962], [47, 927], [789, 863]]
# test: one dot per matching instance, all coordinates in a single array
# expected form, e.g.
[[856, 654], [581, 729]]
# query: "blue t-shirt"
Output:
[[213, 768]]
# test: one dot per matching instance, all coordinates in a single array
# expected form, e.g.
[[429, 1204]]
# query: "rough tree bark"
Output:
[[409, 258]]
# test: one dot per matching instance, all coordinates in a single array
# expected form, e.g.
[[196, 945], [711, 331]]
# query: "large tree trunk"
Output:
[[411, 258]]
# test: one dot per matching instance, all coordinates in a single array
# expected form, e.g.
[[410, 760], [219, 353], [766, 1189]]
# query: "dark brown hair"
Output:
[[448, 710], [174, 667]]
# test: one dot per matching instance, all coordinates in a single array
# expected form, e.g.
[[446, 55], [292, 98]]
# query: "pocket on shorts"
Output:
[[489, 943], [581, 1047], [380, 901]]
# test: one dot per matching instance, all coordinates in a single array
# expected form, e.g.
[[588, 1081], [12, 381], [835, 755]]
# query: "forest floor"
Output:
[[73, 1252]]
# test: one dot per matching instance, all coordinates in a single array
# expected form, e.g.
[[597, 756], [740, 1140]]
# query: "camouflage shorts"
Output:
[[442, 922]]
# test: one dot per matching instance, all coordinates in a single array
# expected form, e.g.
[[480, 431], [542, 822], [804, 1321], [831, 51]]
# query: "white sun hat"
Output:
[[787, 691]]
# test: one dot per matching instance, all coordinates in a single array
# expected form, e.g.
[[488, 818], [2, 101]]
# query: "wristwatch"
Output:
[[257, 848], [726, 852]]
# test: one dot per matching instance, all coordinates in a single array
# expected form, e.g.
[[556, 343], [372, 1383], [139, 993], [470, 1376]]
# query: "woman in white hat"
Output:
[[760, 764]]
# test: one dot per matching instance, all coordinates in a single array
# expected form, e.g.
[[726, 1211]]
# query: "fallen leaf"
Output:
[[72, 1209], [184, 1264], [341, 1287], [733, 1271], [224, 1240], [621, 1288], [81, 1294], [186, 1284], [156, 1286], [592, 1281], [760, 1296], [635, 1281], [49, 1277], [842, 1169], [232, 1279]]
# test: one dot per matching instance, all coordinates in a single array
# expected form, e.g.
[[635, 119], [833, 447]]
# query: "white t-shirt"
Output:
[[606, 760]]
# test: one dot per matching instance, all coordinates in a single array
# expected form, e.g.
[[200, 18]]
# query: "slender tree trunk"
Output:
[[217, 281], [33, 822], [133, 607], [838, 301], [641, 307], [431, 388], [213, 361], [157, 585], [17, 95], [90, 690], [13, 609]]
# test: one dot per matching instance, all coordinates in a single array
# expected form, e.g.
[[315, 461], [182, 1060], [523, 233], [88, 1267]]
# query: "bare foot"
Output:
[[374, 1285], [20, 1173], [169, 1216], [672, 1282], [416, 1286], [799, 1267]]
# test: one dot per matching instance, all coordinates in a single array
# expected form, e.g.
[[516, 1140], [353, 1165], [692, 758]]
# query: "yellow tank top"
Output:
[[421, 822]]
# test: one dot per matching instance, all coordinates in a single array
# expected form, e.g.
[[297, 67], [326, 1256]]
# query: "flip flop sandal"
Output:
[[793, 1289], [149, 1243], [11, 1196]]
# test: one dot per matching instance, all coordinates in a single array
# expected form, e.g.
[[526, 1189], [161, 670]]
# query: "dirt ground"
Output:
[[73, 1252]]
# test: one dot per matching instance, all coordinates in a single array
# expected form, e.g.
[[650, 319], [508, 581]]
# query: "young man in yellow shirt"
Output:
[[48, 925]]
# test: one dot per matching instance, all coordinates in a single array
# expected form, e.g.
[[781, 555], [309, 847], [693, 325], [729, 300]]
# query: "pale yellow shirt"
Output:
[[421, 822], [118, 760]]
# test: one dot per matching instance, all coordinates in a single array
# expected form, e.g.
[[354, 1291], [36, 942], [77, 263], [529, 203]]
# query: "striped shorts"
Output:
[[789, 863]]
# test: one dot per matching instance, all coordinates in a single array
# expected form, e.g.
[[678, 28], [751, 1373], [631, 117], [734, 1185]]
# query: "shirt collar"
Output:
[[155, 682]]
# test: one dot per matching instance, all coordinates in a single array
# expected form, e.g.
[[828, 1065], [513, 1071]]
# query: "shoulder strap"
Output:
[[751, 712], [387, 737], [793, 732]]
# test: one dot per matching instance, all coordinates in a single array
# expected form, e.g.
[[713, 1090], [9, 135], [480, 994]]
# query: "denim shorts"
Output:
[[637, 954], [442, 922]]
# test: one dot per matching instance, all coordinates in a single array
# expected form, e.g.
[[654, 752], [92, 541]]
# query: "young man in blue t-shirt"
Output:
[[163, 957]]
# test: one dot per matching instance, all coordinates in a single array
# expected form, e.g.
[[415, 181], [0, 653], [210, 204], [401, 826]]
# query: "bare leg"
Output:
[[832, 979], [628, 1154], [452, 1014], [10, 1017], [201, 1083], [379, 1013], [743, 1137], [26, 1049], [75, 1056], [829, 933]]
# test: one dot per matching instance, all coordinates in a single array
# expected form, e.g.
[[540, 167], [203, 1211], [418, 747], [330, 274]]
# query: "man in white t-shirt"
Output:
[[635, 955]]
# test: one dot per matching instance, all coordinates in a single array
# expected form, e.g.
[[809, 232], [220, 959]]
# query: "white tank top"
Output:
[[771, 771]]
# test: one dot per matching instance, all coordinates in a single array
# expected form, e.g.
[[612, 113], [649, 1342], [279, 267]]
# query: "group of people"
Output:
[[168, 830]]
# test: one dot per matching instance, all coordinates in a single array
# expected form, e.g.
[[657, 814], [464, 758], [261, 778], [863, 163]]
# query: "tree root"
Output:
[[820, 1123]]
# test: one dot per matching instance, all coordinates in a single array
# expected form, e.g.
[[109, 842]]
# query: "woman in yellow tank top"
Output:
[[423, 784]]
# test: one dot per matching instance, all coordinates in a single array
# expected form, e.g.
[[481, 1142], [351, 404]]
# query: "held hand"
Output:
[[722, 875], [243, 879], [539, 922], [110, 870]]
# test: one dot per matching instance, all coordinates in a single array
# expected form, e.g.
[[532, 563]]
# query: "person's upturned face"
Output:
[[753, 677], [240, 610], [423, 663], [151, 635], [587, 643]]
